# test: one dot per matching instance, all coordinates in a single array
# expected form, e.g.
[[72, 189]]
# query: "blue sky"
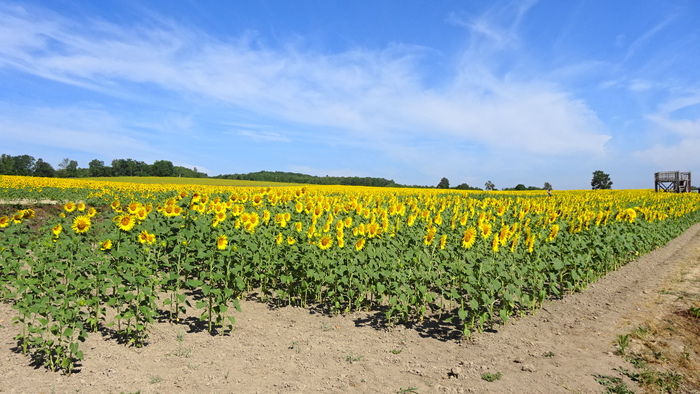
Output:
[[507, 91]]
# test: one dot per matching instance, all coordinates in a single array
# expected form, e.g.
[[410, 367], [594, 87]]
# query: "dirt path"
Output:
[[559, 349]]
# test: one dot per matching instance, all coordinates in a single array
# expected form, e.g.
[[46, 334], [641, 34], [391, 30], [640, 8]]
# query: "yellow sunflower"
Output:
[[325, 242], [69, 206], [4, 221], [485, 230], [81, 224], [222, 242], [146, 238], [27, 213], [56, 230], [359, 244], [469, 238], [92, 212], [106, 245], [125, 222], [553, 233]]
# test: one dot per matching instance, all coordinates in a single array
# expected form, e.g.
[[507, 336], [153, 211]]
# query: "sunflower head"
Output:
[[143, 237], [222, 242], [92, 212], [125, 222], [553, 233], [56, 230], [69, 206], [106, 245], [27, 213], [325, 242], [81, 224]]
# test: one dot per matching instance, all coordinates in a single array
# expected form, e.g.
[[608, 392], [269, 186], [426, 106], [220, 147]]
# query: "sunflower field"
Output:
[[117, 257]]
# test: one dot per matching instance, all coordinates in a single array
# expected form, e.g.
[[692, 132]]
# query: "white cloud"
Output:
[[371, 98], [681, 134], [639, 85], [89, 130], [258, 135]]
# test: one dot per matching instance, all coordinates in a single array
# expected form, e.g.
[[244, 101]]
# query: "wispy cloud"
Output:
[[371, 98], [676, 125], [259, 136], [642, 40]]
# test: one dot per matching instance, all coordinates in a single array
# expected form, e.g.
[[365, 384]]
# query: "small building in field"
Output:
[[672, 181]]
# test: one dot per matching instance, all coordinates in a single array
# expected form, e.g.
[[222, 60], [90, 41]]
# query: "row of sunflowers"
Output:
[[118, 256]]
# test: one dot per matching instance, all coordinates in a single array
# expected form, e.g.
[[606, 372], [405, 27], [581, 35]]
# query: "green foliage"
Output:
[[613, 384], [623, 342], [291, 177], [44, 169], [694, 311], [491, 377], [464, 186], [69, 285], [601, 180], [444, 184]]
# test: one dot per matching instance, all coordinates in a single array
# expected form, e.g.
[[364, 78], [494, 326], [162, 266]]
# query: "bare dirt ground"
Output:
[[560, 349]]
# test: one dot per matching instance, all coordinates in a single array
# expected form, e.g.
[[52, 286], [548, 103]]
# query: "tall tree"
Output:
[[444, 184], [162, 168], [97, 168], [42, 168], [547, 186], [7, 165], [489, 185], [129, 167], [72, 169], [67, 168], [24, 165], [601, 180]]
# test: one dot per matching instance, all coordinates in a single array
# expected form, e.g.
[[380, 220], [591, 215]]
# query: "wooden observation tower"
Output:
[[672, 181]]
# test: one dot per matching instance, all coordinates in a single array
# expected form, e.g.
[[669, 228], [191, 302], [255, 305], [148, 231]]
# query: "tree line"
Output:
[[26, 165], [489, 186], [293, 177]]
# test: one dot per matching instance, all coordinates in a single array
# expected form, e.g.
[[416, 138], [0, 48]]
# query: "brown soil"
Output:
[[559, 349]]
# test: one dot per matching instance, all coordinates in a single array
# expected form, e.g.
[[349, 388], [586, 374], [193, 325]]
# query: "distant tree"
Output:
[[129, 167], [520, 186], [489, 186], [7, 165], [547, 186], [64, 164], [601, 180], [42, 168], [464, 186], [162, 168], [23, 165], [96, 168], [444, 184], [67, 168]]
